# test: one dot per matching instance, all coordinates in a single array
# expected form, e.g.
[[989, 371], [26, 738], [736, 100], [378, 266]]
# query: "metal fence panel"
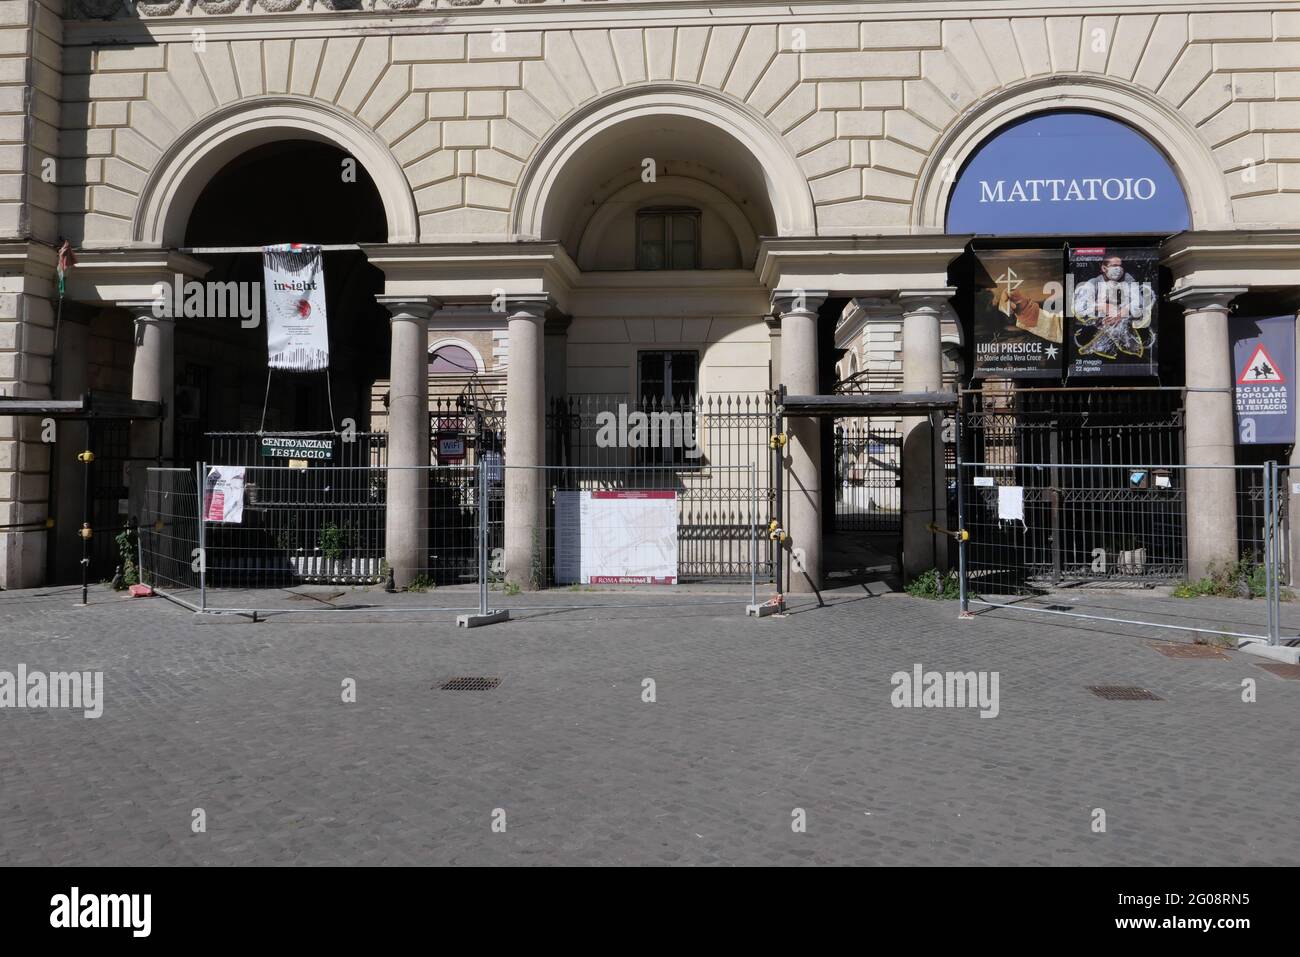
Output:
[[168, 535], [327, 525], [709, 439], [578, 536], [1041, 529]]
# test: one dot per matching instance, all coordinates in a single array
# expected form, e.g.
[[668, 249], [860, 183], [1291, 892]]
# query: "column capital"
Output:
[[806, 301], [409, 307], [529, 306], [1207, 298], [928, 301]]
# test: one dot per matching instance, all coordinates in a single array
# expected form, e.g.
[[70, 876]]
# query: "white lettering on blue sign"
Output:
[[1113, 189]]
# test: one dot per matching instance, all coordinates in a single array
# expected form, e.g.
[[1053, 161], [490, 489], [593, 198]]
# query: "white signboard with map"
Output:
[[616, 538]]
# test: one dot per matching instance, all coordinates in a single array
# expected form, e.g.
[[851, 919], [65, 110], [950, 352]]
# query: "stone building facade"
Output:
[[516, 150]]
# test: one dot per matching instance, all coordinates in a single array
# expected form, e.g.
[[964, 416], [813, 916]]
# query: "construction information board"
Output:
[[616, 538]]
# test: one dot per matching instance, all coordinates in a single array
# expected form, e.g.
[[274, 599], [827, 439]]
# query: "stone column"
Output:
[[407, 515], [525, 481], [27, 312], [1208, 433], [924, 494], [152, 380], [798, 312]]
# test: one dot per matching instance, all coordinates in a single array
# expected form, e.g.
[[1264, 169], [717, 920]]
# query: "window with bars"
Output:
[[668, 237], [668, 382]]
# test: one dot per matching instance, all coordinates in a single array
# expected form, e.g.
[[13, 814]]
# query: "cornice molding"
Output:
[[89, 21]]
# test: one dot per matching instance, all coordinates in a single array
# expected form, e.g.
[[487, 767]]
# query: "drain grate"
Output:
[[474, 683], [1284, 670], [1173, 649], [1123, 693]]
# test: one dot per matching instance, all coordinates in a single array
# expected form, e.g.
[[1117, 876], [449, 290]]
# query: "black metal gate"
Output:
[[713, 441], [868, 474], [1097, 504]]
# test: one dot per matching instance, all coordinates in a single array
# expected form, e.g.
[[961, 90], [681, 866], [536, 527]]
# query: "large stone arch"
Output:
[[198, 154], [1202, 179], [758, 147]]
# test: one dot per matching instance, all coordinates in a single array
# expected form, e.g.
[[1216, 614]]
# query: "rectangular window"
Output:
[[668, 238], [668, 382]]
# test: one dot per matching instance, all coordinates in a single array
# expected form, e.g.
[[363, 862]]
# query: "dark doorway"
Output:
[[291, 191]]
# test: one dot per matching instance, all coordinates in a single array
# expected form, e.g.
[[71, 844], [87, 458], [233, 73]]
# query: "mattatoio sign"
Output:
[[1067, 173]]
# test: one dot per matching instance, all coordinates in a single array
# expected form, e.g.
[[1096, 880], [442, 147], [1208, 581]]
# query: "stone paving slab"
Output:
[[753, 719]]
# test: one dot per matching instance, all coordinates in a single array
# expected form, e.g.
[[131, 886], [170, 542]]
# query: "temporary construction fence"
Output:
[[223, 538], [1034, 529], [688, 444]]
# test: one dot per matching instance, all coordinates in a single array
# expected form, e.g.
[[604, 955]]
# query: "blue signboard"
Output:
[[1067, 173], [1263, 363]]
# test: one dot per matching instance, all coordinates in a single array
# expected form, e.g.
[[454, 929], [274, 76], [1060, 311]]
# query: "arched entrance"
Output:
[[1080, 360], [286, 191], [658, 194]]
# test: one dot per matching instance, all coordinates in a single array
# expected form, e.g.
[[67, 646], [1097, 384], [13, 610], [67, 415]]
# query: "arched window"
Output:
[[451, 359]]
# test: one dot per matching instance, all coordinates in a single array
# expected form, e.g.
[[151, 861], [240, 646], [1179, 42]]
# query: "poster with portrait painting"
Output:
[[1113, 297]]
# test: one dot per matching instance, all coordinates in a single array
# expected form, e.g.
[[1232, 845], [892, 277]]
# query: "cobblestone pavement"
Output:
[[753, 719]]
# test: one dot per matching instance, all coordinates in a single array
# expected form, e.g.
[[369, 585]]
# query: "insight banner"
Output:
[[297, 334], [1263, 359], [1019, 321], [1113, 315]]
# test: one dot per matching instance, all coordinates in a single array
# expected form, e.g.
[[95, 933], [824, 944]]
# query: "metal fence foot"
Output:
[[765, 609], [1290, 656], [475, 620]]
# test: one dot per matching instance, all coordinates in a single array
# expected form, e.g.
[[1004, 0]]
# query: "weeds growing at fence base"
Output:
[[935, 584], [1243, 578], [421, 583], [126, 551]]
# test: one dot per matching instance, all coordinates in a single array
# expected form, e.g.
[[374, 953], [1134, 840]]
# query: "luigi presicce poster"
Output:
[[1018, 313]]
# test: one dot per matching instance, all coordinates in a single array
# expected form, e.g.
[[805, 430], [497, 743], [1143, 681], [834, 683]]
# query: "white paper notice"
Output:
[[1011, 503]]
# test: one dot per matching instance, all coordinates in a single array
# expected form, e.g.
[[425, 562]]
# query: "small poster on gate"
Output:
[[223, 494]]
